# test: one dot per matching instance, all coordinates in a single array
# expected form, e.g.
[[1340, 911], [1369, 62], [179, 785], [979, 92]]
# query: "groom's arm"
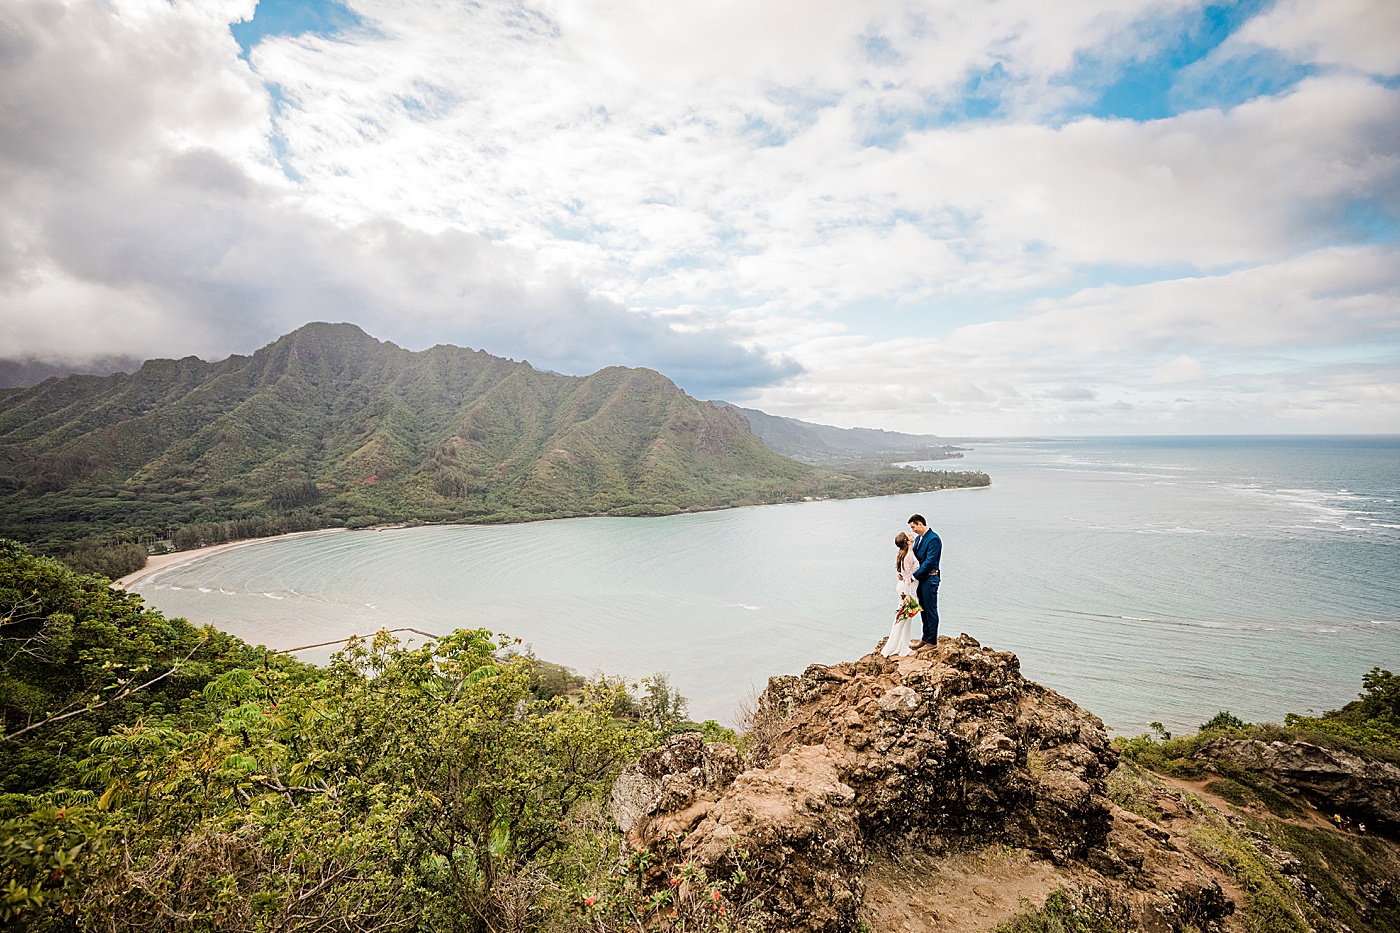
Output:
[[930, 563]]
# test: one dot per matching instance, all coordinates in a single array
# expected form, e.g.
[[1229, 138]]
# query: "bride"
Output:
[[906, 588]]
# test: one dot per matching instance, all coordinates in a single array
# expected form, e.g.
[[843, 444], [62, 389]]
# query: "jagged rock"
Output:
[[797, 821], [794, 818], [953, 743], [951, 747], [673, 778], [1337, 781]]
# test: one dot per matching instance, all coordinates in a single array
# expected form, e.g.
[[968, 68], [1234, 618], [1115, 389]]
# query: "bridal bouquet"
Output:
[[908, 609]]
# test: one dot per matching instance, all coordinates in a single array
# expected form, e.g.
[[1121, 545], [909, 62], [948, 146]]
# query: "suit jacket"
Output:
[[928, 550]]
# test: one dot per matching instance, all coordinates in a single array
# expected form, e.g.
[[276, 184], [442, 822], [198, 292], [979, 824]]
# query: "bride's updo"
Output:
[[902, 541]]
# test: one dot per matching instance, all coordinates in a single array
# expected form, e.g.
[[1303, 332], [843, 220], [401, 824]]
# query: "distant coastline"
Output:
[[160, 562]]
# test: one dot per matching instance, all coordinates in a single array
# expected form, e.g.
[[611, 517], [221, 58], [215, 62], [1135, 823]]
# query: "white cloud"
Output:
[[1361, 34], [1073, 394], [633, 151], [143, 216], [1181, 369], [1256, 348], [1331, 297], [728, 192]]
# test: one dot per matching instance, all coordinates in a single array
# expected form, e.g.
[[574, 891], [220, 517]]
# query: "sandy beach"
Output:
[[160, 562]]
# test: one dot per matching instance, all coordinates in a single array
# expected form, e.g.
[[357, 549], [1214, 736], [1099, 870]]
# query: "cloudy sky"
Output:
[[971, 216]]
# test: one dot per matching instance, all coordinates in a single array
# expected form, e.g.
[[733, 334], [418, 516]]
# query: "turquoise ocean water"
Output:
[[1145, 578]]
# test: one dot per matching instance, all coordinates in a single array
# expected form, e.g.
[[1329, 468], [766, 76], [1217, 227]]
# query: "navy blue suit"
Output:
[[928, 548]]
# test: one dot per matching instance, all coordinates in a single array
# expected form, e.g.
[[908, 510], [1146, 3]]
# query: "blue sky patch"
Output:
[[294, 18], [763, 133], [1152, 87], [277, 140], [1369, 221], [880, 51], [982, 95]]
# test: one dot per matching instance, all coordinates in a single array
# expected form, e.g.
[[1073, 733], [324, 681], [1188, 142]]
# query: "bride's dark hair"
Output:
[[901, 540]]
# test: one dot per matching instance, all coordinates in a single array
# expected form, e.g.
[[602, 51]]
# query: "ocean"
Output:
[[1148, 579]]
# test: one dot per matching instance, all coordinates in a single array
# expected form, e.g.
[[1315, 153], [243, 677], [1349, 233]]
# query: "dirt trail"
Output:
[[1310, 817], [961, 893]]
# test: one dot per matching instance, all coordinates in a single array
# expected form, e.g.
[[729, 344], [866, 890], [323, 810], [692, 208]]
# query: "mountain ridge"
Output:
[[330, 426], [816, 443]]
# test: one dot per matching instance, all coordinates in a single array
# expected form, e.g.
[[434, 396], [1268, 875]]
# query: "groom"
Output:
[[928, 548]]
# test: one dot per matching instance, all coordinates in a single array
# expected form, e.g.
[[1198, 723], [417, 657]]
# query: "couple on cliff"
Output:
[[916, 585]]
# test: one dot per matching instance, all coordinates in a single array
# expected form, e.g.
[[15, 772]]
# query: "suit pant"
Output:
[[928, 598]]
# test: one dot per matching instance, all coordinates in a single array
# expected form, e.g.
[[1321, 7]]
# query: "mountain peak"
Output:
[[326, 333], [330, 426]]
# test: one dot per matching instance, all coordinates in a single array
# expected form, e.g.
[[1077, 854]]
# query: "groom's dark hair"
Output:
[[916, 517]]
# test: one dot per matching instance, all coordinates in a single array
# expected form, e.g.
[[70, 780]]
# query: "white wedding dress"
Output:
[[905, 585]]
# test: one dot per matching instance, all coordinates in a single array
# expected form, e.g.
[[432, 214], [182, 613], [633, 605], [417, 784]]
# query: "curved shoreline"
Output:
[[162, 562]]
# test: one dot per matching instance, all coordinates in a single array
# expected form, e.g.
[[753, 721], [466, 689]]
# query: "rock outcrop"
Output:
[[951, 747], [944, 791], [1336, 781]]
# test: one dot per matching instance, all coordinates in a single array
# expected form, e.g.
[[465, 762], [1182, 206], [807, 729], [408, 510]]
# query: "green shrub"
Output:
[[74, 657], [1271, 905], [401, 787], [1342, 865], [661, 705], [1380, 699], [1231, 790], [548, 681], [425, 788], [47, 859], [1223, 721], [712, 731], [1173, 756], [1371, 723]]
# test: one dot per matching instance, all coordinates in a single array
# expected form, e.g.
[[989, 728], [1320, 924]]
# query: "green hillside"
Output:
[[827, 445], [328, 426]]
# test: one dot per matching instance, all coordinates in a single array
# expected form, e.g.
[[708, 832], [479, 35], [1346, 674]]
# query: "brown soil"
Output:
[[960, 893]]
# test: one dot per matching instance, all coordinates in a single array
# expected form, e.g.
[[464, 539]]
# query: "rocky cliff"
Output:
[[1339, 781], [944, 791]]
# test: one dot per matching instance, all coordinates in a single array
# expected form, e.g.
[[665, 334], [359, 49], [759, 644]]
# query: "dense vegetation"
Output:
[[328, 426], [1372, 721], [1350, 872], [159, 776]]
